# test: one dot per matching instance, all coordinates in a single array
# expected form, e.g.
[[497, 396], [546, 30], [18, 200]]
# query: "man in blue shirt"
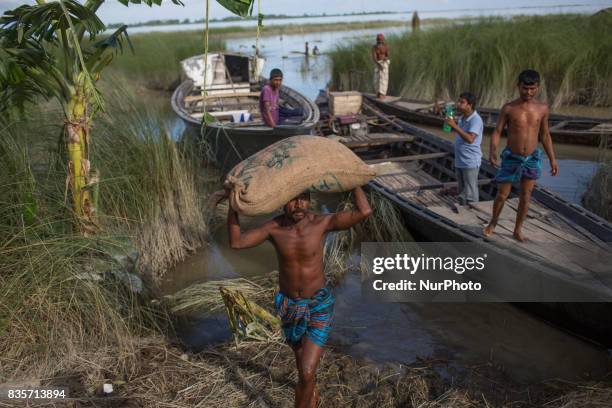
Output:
[[468, 155]]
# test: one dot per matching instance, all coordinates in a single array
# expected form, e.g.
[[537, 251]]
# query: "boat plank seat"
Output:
[[605, 127], [441, 186], [243, 105], [416, 105], [228, 114], [355, 143], [194, 98], [411, 157], [559, 125]]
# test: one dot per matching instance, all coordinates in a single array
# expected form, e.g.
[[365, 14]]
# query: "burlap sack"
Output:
[[267, 180]]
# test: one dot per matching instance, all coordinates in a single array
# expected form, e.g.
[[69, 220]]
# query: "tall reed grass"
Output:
[[573, 53], [62, 293], [155, 60], [150, 185]]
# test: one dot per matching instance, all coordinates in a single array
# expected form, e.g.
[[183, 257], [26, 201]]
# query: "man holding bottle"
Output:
[[468, 136]]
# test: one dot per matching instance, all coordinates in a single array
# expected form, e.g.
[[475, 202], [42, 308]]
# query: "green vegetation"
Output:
[[573, 54], [65, 294], [155, 60], [68, 299], [61, 291]]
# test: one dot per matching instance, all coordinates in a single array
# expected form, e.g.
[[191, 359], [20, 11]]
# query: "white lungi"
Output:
[[381, 77]]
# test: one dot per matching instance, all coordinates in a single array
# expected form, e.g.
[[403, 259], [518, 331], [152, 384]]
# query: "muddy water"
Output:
[[526, 348]]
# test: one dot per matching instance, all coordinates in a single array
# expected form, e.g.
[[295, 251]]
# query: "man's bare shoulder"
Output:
[[541, 106], [511, 105], [274, 223], [322, 218], [316, 218]]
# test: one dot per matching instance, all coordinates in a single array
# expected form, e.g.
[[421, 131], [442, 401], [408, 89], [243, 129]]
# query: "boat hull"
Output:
[[576, 129], [232, 143], [590, 320], [231, 146]]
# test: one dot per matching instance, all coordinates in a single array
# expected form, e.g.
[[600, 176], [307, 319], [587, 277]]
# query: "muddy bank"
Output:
[[156, 374]]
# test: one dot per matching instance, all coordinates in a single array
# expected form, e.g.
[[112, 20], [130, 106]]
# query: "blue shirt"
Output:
[[469, 155]]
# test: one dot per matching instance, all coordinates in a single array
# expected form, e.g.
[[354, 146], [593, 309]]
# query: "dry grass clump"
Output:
[[593, 395], [206, 299], [153, 373]]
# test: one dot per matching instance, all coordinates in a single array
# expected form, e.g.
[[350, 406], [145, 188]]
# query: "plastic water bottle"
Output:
[[449, 113]]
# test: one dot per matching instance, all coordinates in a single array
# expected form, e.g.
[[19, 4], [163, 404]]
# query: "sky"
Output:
[[114, 12]]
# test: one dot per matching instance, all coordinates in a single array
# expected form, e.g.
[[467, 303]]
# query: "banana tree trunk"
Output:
[[77, 127]]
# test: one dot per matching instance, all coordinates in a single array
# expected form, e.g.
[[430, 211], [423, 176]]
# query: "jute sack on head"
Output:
[[267, 180]]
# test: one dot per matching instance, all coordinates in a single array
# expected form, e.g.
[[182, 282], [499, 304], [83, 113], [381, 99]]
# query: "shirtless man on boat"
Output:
[[304, 303], [521, 160]]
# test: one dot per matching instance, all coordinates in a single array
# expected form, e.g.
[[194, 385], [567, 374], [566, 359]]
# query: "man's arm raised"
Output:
[[346, 219], [248, 239]]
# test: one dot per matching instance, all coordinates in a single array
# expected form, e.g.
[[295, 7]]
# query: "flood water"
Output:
[[526, 348], [450, 13]]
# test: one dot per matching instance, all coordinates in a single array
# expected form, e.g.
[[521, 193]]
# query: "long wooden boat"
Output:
[[417, 176], [563, 129], [232, 103]]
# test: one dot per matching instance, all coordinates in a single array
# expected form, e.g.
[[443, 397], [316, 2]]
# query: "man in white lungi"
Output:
[[380, 54]]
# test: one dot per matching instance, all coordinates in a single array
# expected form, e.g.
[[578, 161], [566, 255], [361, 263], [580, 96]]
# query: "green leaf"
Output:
[[101, 53], [207, 119], [43, 22], [242, 8]]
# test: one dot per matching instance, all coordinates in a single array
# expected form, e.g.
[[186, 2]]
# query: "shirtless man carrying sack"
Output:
[[521, 160], [304, 302]]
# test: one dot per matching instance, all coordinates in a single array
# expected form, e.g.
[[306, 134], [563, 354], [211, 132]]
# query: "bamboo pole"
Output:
[[258, 32], [205, 51]]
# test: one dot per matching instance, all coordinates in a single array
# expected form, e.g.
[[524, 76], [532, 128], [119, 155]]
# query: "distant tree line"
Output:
[[236, 18]]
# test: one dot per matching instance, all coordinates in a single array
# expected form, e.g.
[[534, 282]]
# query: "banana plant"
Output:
[[51, 50]]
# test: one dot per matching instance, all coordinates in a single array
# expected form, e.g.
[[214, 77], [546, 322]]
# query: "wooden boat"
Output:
[[563, 129], [417, 176], [232, 102]]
